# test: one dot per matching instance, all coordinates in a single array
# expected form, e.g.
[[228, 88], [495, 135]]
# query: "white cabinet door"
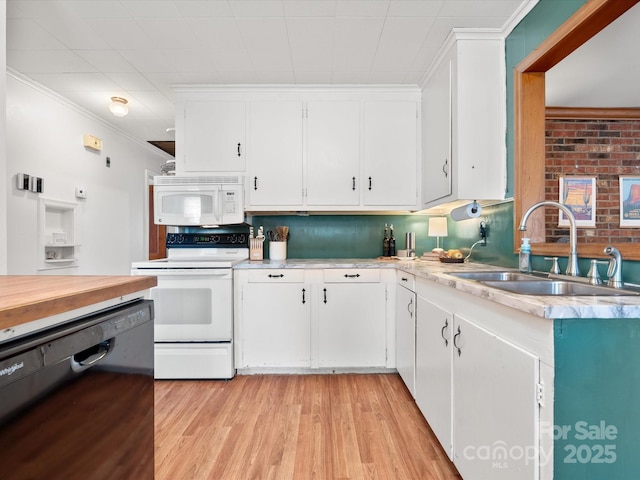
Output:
[[275, 166], [333, 153], [276, 325], [436, 135], [390, 154], [433, 369], [406, 336], [214, 135], [352, 325], [496, 413]]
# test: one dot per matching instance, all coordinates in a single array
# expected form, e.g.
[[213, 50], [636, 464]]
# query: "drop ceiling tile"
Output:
[[155, 102], [26, 34], [358, 32], [310, 32], [474, 8], [264, 33], [230, 60], [413, 8], [356, 60], [120, 33], [276, 77], [97, 8], [402, 33], [38, 9], [148, 61], [76, 82], [47, 61], [167, 33], [203, 8], [216, 32], [150, 9], [185, 60], [130, 81], [318, 58], [257, 8], [164, 82], [73, 33], [362, 8], [270, 60], [106, 60], [309, 8], [312, 78]]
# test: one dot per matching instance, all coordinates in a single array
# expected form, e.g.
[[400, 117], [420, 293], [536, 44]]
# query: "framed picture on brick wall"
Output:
[[579, 195], [629, 201]]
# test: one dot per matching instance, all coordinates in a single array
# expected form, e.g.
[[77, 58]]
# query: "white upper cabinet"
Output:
[[390, 154], [213, 137], [333, 153], [464, 121], [275, 148], [305, 148]]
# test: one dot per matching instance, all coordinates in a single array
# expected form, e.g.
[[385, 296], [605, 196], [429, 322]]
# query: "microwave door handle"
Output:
[[219, 204]]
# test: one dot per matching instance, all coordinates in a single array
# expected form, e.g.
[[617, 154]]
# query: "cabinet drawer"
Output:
[[407, 280], [355, 275], [272, 275]]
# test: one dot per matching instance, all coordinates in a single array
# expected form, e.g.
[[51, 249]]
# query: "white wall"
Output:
[[45, 139], [3, 142]]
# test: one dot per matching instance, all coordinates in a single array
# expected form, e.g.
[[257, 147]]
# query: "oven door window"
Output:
[[193, 308]]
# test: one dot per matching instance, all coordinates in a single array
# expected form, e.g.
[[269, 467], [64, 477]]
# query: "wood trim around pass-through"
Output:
[[529, 117]]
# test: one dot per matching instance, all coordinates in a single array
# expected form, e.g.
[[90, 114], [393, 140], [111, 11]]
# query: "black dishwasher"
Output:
[[76, 401]]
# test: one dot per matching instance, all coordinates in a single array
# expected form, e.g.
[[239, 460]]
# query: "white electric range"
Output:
[[193, 329]]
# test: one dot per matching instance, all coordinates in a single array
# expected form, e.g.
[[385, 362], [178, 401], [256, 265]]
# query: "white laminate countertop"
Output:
[[555, 307]]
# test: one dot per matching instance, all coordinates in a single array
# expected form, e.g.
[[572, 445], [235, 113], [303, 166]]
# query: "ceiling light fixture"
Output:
[[118, 106]]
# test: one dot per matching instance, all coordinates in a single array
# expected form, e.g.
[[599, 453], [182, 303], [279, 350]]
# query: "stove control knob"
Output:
[[215, 238]]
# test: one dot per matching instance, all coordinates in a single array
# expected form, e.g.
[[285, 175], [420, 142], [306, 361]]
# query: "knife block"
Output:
[[256, 251]]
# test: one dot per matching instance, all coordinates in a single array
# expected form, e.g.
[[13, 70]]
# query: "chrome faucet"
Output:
[[572, 264], [615, 267]]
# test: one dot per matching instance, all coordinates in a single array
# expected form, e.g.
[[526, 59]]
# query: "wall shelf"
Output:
[[57, 245]]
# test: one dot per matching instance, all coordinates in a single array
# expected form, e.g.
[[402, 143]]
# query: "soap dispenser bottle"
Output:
[[524, 261]]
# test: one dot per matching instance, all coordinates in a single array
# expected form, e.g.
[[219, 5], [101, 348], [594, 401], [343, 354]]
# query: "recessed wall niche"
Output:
[[604, 148]]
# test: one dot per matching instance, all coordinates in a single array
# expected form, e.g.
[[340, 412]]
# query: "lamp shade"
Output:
[[438, 227]]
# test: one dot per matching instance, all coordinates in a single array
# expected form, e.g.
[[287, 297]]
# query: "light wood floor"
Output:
[[299, 427]]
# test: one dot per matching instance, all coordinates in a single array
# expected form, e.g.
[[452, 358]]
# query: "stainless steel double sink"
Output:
[[532, 284]]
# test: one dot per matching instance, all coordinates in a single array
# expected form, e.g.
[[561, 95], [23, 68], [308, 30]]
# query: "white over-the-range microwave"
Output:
[[198, 200]]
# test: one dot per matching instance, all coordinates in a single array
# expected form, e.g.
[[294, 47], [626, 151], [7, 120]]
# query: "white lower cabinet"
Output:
[[352, 325], [307, 319], [477, 386], [495, 411], [433, 369], [276, 320], [406, 330]]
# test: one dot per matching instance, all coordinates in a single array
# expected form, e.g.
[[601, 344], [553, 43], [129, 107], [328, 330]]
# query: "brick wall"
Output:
[[601, 148]]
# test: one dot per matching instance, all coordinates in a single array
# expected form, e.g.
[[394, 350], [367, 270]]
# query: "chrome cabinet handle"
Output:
[[445, 167], [455, 344], [444, 329]]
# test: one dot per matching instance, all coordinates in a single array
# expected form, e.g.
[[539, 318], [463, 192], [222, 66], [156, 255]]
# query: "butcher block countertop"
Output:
[[29, 298]]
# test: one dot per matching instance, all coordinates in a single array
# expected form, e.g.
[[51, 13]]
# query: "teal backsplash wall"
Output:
[[360, 236]]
